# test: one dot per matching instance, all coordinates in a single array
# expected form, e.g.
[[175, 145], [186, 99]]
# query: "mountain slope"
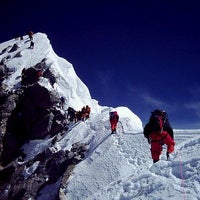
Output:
[[115, 166]]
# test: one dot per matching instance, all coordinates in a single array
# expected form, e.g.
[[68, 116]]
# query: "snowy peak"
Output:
[[16, 54]]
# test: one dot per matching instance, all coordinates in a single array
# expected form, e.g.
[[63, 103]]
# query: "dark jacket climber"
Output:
[[62, 102], [71, 114], [158, 131], [31, 45]]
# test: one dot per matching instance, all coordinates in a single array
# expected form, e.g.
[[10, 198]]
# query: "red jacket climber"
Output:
[[30, 34], [158, 131], [85, 112], [114, 118]]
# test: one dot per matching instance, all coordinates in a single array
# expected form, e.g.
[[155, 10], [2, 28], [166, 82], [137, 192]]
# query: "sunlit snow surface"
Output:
[[117, 167]]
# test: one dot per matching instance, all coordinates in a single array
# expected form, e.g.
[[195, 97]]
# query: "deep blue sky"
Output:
[[142, 55]]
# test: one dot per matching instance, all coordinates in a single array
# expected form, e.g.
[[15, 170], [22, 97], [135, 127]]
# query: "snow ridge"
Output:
[[117, 167]]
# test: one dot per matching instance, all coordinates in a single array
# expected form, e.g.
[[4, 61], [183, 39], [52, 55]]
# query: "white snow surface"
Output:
[[117, 167]]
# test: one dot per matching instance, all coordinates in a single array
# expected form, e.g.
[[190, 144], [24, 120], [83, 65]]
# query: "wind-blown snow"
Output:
[[117, 167]]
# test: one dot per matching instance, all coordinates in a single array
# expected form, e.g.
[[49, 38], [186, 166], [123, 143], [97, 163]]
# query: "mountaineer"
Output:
[[114, 118], [158, 132]]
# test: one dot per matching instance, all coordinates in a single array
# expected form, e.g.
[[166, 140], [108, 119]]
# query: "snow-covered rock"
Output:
[[115, 166]]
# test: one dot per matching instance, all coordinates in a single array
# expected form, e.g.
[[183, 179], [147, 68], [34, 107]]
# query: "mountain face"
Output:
[[37, 88]]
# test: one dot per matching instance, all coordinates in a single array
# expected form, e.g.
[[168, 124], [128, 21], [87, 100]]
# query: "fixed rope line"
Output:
[[182, 178], [122, 126], [30, 57]]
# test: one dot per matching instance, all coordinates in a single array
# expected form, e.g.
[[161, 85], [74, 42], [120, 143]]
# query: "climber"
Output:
[[158, 132], [23, 76], [78, 116], [114, 118], [30, 34], [71, 114], [85, 113], [62, 102]]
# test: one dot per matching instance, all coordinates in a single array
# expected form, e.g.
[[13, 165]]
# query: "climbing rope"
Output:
[[182, 178], [31, 57], [122, 126]]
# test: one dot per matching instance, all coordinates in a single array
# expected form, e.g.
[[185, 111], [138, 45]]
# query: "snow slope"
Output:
[[121, 168], [117, 167]]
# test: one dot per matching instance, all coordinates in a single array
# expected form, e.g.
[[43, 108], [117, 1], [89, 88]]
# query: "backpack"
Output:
[[113, 114], [88, 109], [157, 120], [156, 123], [70, 110], [62, 99]]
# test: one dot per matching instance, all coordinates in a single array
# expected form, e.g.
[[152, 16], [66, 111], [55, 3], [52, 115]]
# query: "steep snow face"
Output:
[[67, 83]]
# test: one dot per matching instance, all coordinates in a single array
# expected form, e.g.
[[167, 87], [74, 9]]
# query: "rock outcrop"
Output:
[[28, 180], [31, 109], [28, 113], [33, 112]]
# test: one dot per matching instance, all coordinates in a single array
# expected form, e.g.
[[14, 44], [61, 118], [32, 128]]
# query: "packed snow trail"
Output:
[[121, 146], [128, 175], [146, 184]]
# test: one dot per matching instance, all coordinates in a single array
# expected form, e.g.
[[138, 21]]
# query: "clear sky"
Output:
[[142, 55]]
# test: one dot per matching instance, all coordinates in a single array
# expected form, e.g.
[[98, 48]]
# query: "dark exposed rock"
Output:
[[50, 76], [6, 173], [3, 72], [41, 65], [30, 76], [5, 50], [28, 113], [7, 105], [27, 180], [18, 55], [34, 116], [14, 48], [41, 96]]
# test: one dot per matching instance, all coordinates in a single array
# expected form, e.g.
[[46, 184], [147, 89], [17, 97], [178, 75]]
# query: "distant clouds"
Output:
[[195, 106], [153, 101], [147, 98], [194, 103]]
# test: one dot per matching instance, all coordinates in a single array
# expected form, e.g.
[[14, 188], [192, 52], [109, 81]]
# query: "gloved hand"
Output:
[[167, 154], [161, 142]]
